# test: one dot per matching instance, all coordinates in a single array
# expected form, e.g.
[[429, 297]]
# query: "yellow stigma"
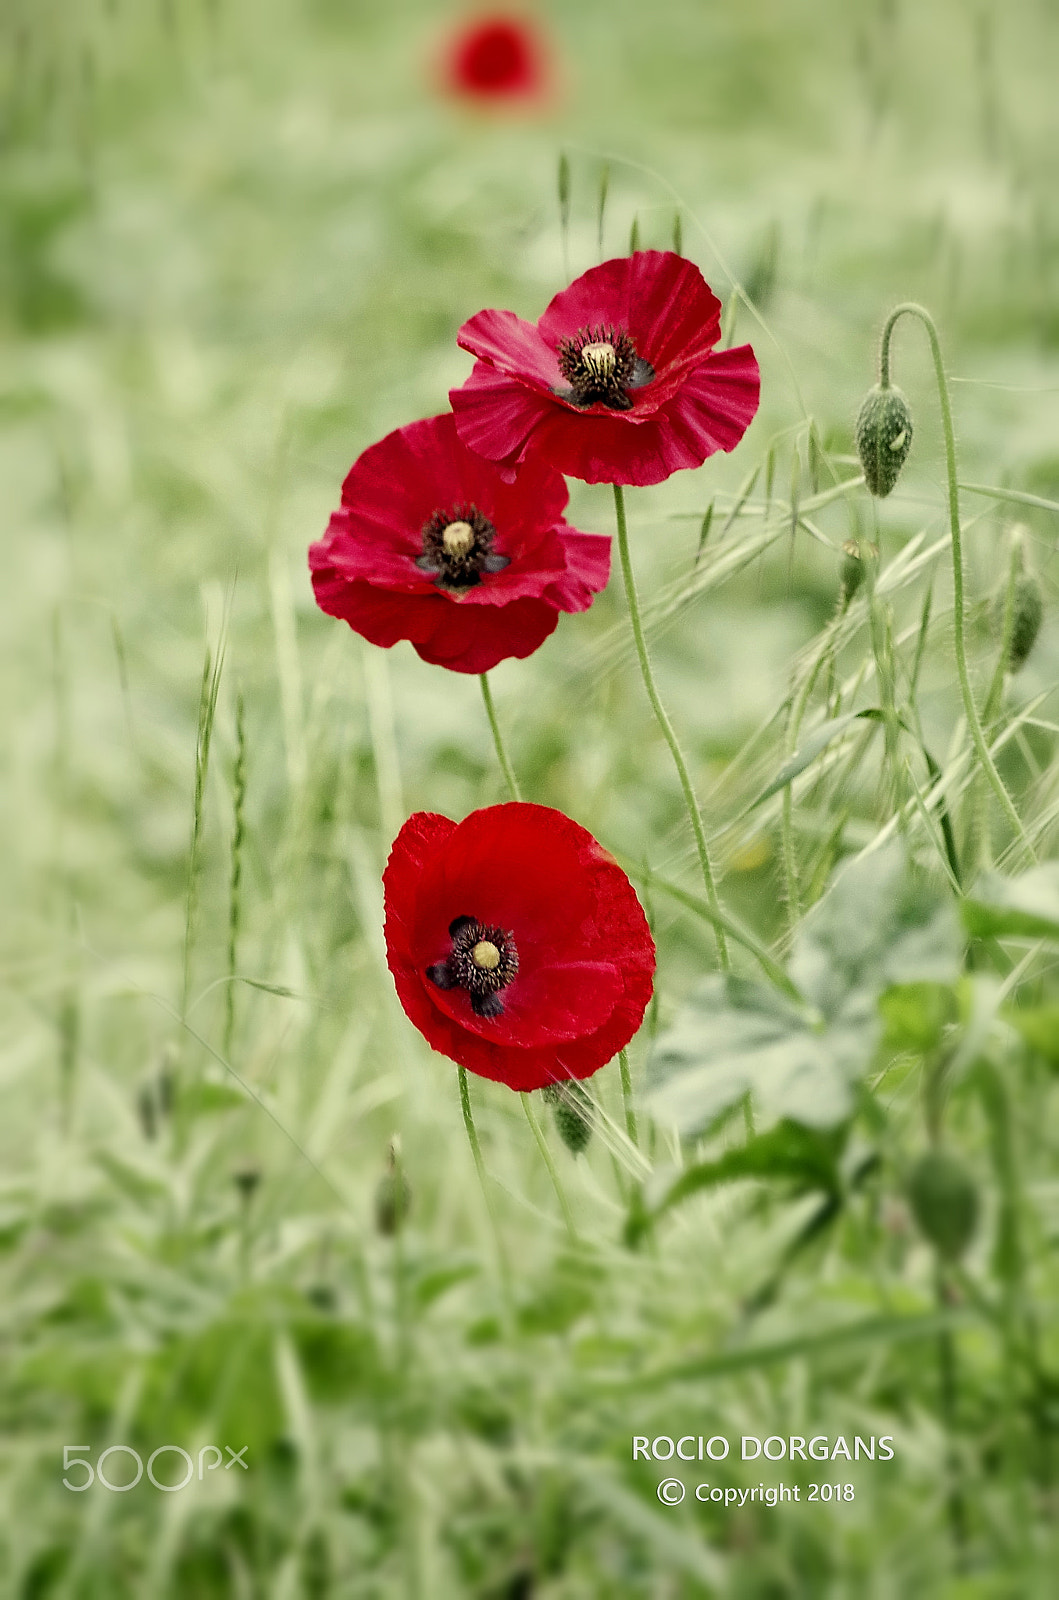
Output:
[[598, 358], [457, 538], [486, 955]]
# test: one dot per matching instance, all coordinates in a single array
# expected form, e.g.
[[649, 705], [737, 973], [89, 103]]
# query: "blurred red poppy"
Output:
[[618, 382], [433, 545], [497, 58], [517, 945]]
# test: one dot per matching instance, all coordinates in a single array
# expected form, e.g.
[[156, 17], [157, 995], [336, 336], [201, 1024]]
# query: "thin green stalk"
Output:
[[546, 1156], [948, 1383], [501, 754], [790, 859], [971, 710], [483, 1182], [626, 1095], [208, 691], [236, 876], [666, 726]]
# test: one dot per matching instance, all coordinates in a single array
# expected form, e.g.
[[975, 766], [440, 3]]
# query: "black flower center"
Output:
[[483, 960], [601, 365], [458, 548]]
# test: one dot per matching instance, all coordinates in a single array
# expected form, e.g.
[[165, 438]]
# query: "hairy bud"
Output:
[[851, 573], [944, 1202], [393, 1194], [1027, 614], [883, 436], [573, 1114]]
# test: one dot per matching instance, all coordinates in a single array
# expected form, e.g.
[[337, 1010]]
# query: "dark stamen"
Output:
[[483, 960], [458, 548], [601, 365]]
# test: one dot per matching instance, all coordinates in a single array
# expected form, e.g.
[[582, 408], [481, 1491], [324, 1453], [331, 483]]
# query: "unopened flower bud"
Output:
[[573, 1115], [393, 1195], [883, 436], [852, 571], [944, 1202], [246, 1179], [1027, 614]]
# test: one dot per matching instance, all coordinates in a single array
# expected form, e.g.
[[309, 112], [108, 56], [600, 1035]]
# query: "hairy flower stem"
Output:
[[546, 1156], [666, 726], [483, 1183], [501, 754], [948, 1382], [236, 872], [626, 1095], [973, 720]]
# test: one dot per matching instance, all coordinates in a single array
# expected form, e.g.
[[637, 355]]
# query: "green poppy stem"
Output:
[[974, 723], [626, 1095], [666, 726], [546, 1156], [479, 1167], [501, 754]]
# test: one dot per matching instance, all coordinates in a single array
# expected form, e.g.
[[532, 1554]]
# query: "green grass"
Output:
[[237, 243]]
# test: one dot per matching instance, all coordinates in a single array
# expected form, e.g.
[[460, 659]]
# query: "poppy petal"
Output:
[[373, 568], [699, 400], [585, 953]]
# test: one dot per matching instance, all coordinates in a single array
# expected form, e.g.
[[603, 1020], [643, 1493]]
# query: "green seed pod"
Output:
[[1027, 614], [393, 1193], [393, 1201], [884, 437], [944, 1201], [573, 1116], [852, 569]]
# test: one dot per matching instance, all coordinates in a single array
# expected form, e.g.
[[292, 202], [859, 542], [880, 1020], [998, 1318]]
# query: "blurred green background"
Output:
[[237, 242]]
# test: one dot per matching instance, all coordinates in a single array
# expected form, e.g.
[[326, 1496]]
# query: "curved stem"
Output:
[[973, 720], [542, 1146], [664, 723], [501, 754]]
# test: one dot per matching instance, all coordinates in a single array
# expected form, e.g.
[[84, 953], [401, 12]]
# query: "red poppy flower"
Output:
[[431, 544], [517, 944], [617, 383], [496, 58]]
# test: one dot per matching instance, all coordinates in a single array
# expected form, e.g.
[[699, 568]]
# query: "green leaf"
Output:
[[203, 1098], [916, 1015], [876, 927], [807, 1156], [1039, 1028], [733, 1037], [1024, 907]]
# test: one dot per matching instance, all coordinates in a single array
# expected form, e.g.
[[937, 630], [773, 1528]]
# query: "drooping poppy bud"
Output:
[[883, 436], [1027, 606], [573, 1115], [944, 1202]]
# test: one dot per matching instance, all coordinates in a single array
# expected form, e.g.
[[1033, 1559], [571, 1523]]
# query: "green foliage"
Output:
[[1024, 907], [236, 241], [803, 1061]]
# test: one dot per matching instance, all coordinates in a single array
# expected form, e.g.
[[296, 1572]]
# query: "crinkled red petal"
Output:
[[711, 411], [462, 638], [535, 868], [364, 568], [660, 299]]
